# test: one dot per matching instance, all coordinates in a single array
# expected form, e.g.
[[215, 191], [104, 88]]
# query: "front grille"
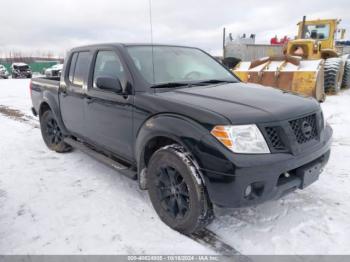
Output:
[[275, 139], [304, 129]]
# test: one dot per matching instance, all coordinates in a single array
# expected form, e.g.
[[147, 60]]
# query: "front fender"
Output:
[[206, 151], [181, 129]]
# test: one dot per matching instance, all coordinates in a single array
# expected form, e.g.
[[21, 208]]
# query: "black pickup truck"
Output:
[[184, 126]]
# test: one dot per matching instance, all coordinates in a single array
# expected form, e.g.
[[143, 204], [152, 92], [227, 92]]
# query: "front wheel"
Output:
[[332, 80], [52, 133], [176, 190]]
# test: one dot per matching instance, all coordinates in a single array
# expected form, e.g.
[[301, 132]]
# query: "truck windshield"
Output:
[[176, 64]]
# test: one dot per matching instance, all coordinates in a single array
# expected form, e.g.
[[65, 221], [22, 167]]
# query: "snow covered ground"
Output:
[[71, 204]]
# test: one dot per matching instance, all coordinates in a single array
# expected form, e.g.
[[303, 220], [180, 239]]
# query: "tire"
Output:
[[52, 134], [346, 76], [332, 81], [177, 191]]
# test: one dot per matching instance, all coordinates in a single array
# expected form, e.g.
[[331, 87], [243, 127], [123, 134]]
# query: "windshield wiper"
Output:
[[190, 84], [170, 85], [215, 81]]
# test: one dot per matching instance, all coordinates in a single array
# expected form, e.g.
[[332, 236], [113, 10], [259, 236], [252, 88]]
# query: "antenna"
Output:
[[151, 27], [223, 42]]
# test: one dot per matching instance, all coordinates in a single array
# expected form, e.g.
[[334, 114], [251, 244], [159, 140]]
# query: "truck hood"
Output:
[[245, 103]]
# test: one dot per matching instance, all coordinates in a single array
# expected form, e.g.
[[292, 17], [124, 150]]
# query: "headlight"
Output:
[[246, 139]]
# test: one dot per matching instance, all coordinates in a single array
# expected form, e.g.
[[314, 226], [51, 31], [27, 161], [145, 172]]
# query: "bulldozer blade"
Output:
[[289, 73]]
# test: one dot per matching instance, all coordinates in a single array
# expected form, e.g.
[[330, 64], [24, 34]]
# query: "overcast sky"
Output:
[[58, 25]]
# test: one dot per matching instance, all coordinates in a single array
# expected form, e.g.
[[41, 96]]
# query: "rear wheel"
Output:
[[346, 75], [332, 80], [177, 191], [52, 133]]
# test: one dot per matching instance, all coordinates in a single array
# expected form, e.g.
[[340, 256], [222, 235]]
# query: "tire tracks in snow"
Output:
[[18, 115], [204, 237], [211, 240]]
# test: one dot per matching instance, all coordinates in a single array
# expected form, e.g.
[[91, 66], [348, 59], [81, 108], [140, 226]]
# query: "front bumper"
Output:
[[265, 174], [21, 74]]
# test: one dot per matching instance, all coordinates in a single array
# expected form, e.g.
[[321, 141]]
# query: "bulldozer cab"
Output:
[[322, 31], [315, 40]]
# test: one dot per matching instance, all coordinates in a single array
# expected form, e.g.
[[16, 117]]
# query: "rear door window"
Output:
[[72, 67], [81, 69]]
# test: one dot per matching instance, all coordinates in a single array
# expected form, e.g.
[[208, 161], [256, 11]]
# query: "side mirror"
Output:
[[109, 83]]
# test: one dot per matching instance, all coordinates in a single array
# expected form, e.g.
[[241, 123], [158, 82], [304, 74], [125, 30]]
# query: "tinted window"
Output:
[[82, 66], [72, 66], [108, 64]]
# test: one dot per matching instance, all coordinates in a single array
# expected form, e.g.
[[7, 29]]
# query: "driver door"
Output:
[[108, 114]]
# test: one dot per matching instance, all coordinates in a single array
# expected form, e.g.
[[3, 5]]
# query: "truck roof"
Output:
[[123, 45]]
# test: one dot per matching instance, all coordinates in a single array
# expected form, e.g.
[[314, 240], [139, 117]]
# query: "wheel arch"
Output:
[[44, 106], [50, 102], [163, 130], [328, 53]]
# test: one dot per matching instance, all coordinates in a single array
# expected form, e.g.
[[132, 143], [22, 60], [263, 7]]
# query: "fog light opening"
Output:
[[254, 190]]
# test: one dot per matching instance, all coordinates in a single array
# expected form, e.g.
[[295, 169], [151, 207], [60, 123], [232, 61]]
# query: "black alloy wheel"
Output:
[[173, 192], [52, 134], [176, 190]]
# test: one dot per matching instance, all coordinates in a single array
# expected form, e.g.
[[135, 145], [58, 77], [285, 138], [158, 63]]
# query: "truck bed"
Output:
[[44, 88]]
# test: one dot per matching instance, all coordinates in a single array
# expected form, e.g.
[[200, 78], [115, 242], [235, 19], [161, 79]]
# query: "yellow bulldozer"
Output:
[[311, 64]]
